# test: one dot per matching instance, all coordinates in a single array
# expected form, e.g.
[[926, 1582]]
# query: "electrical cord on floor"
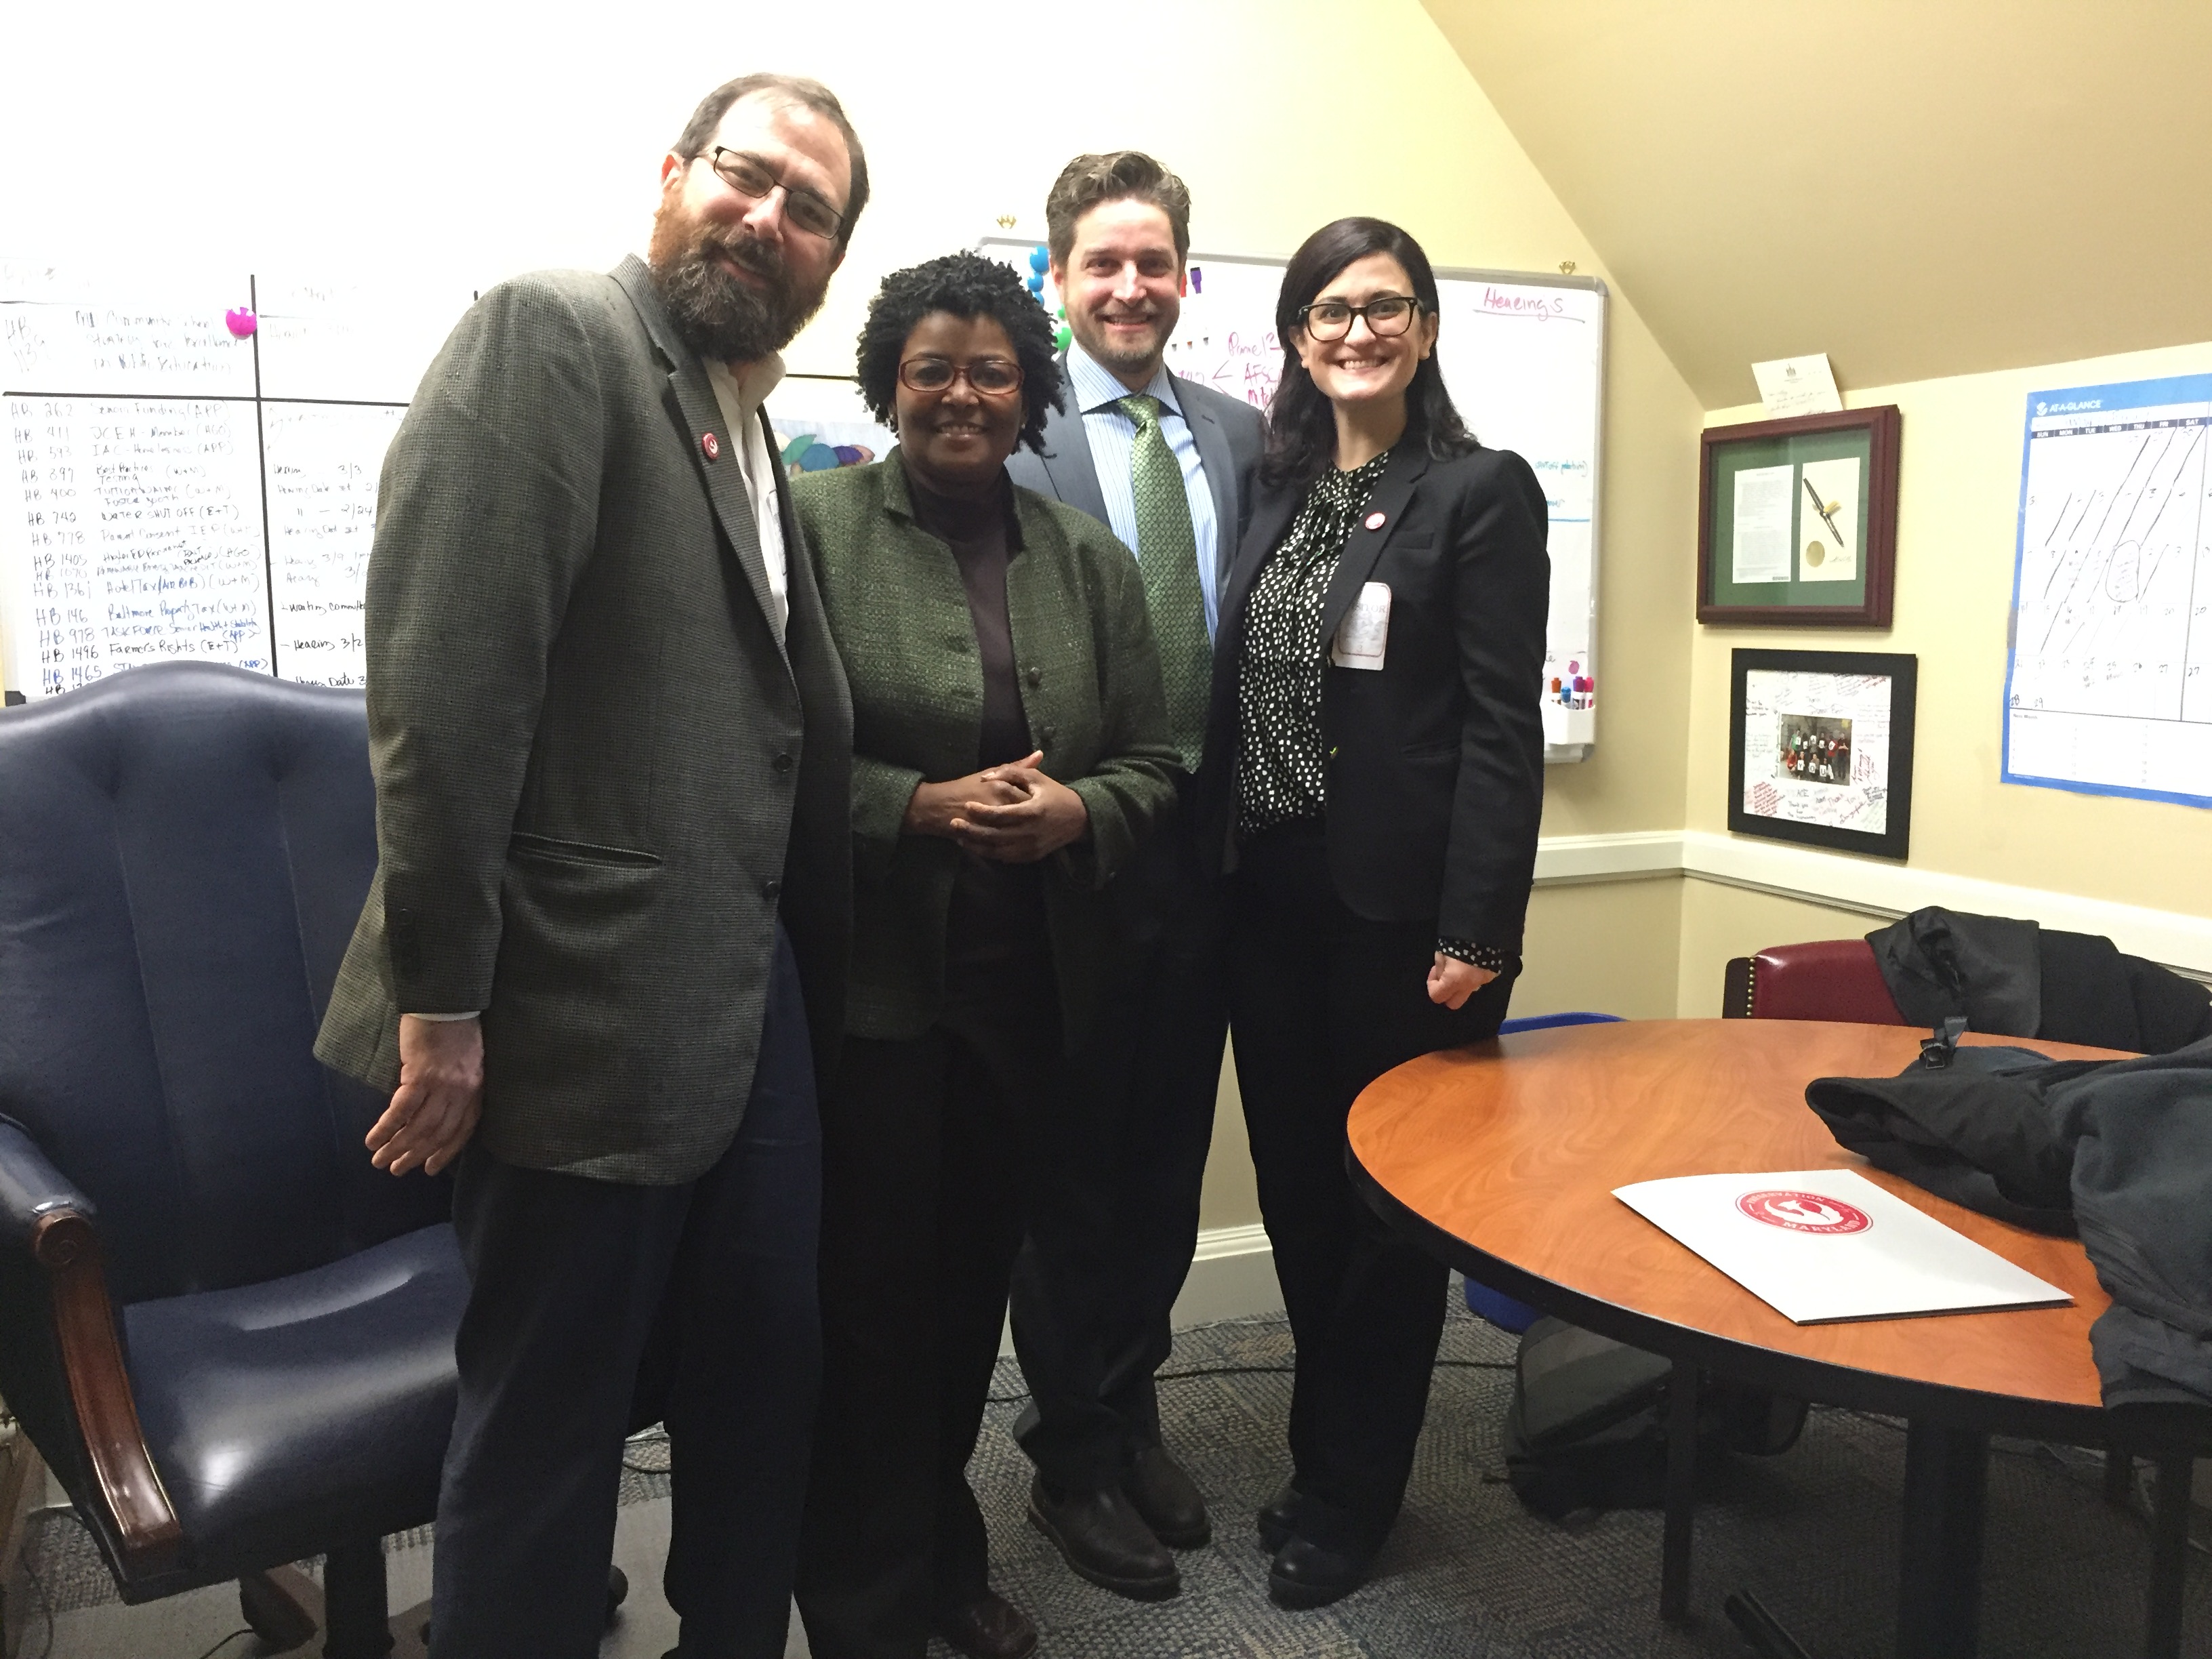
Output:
[[1259, 1370], [227, 1641], [45, 1604]]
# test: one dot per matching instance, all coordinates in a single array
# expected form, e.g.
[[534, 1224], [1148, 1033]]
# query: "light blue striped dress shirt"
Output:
[[1113, 435]]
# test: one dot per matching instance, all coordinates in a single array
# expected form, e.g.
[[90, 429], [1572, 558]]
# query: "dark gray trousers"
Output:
[[595, 1308]]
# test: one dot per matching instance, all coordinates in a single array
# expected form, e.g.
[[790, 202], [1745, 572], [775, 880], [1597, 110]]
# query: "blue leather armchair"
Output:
[[230, 1338]]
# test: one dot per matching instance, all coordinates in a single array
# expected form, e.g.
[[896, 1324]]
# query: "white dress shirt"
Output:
[[740, 398]]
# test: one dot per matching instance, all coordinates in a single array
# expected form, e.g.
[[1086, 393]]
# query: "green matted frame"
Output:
[[1867, 435]]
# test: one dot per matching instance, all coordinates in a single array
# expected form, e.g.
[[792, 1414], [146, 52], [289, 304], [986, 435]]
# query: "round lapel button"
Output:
[[1376, 520], [712, 446]]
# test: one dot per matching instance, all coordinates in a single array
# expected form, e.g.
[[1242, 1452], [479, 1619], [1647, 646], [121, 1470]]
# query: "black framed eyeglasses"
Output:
[[992, 376], [750, 178], [1331, 319]]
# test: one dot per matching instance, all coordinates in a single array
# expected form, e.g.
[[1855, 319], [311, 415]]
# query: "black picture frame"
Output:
[[1794, 751], [1868, 437]]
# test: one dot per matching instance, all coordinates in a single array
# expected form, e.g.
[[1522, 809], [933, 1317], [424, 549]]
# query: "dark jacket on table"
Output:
[[600, 777], [1436, 760], [1091, 691], [2119, 1149], [1228, 433]]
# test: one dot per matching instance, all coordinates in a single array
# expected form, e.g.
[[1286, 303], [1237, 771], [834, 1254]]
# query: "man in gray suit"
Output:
[[1167, 463], [603, 958]]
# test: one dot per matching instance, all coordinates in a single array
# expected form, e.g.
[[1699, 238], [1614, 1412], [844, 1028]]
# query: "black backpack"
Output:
[[1587, 1427]]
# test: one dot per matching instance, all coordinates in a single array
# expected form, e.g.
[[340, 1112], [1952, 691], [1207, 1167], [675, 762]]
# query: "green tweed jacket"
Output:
[[1091, 689], [601, 777]]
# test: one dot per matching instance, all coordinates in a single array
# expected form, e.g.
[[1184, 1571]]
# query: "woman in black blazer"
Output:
[[1374, 775]]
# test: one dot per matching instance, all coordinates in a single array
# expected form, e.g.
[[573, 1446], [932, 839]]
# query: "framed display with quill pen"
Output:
[[1797, 520]]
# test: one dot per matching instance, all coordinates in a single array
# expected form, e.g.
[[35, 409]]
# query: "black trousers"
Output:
[[1321, 1003], [594, 1306], [1151, 1069], [940, 1153]]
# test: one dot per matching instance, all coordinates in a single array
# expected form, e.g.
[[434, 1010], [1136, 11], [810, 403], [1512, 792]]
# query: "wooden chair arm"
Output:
[[147, 1532]]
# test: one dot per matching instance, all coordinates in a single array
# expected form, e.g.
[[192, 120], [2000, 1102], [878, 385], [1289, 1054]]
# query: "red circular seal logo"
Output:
[[1804, 1212]]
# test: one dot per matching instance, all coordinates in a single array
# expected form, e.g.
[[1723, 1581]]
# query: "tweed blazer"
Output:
[[600, 775], [1090, 681]]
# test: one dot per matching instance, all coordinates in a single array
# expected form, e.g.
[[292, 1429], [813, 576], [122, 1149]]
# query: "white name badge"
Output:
[[1366, 629]]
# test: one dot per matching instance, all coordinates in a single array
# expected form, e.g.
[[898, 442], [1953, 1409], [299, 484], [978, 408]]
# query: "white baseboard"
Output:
[[1232, 1276], [1870, 886]]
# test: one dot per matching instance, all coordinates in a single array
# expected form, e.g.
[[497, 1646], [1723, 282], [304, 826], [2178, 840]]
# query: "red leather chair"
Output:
[[1822, 979]]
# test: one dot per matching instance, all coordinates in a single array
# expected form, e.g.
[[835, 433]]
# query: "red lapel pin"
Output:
[[1375, 520], [713, 447]]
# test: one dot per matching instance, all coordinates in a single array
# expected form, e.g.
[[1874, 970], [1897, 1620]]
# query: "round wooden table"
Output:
[[1502, 1158]]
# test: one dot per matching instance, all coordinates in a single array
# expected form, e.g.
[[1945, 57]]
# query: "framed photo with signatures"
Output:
[[1820, 748]]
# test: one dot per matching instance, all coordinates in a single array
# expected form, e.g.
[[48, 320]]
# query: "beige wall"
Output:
[[1957, 507]]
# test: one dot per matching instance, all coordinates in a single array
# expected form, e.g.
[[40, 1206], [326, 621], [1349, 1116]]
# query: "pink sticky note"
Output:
[[241, 322]]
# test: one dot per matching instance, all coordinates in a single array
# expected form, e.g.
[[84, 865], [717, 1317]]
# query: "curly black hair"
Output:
[[967, 285]]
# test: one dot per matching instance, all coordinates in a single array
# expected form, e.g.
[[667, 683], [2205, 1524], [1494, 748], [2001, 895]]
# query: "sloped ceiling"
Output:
[[1917, 187]]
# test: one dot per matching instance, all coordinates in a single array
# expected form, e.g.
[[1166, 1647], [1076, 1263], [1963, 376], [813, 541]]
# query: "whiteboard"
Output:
[[1523, 356], [2106, 684], [175, 488]]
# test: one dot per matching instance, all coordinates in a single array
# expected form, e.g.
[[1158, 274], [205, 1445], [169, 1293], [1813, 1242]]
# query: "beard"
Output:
[[719, 315]]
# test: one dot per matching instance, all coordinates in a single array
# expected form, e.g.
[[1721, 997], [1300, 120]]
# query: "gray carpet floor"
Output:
[[1468, 1572]]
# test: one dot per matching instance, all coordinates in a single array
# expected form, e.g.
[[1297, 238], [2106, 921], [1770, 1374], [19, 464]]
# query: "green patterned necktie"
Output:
[[1167, 549]]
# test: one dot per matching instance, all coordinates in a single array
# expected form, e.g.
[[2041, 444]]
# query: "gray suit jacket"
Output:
[[600, 777], [1228, 431]]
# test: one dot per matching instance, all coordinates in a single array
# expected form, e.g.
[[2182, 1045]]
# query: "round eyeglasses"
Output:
[[992, 376], [1331, 319]]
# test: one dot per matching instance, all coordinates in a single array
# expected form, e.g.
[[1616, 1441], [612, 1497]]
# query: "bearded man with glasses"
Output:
[[605, 947]]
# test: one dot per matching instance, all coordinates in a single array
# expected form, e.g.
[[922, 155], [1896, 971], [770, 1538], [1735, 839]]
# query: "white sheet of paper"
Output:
[[1826, 554], [1763, 524], [1797, 386], [1364, 632], [1822, 1245]]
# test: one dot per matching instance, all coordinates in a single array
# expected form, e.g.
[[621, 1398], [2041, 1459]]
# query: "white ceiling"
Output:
[[1917, 187]]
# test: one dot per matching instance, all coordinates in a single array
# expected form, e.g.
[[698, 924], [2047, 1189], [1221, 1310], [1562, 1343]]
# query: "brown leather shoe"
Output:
[[989, 1627], [1168, 1499]]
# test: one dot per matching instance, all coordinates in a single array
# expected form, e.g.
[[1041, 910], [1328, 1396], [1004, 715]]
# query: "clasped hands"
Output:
[[1013, 814]]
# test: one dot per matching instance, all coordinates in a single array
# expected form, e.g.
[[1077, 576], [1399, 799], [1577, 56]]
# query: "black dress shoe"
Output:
[[1304, 1574], [1167, 1498], [989, 1627], [1278, 1517], [1102, 1538]]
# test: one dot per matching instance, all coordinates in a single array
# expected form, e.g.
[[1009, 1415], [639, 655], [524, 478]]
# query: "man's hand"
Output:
[[1452, 982], [1044, 817], [433, 1111], [935, 808]]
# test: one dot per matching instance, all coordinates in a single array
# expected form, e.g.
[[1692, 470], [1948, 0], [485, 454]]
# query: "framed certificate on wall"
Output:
[[1797, 520]]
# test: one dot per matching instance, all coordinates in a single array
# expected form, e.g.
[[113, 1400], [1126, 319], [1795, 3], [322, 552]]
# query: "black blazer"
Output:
[[1435, 760]]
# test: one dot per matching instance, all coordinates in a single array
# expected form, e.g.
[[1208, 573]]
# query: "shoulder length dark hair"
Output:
[[1301, 425]]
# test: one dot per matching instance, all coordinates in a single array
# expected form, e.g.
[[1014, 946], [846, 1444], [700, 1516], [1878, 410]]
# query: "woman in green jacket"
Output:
[[1011, 749]]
